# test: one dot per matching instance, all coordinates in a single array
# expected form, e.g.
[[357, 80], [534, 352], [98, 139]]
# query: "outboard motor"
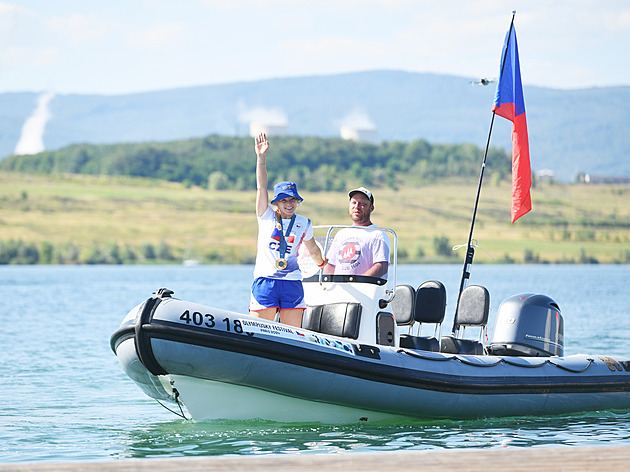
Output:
[[528, 325]]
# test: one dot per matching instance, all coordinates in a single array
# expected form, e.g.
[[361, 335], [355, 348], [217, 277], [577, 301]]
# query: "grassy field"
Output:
[[569, 223]]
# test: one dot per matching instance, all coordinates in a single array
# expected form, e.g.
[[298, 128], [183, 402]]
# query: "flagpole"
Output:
[[470, 249]]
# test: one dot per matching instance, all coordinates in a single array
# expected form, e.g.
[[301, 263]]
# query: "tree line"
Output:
[[17, 251], [222, 162]]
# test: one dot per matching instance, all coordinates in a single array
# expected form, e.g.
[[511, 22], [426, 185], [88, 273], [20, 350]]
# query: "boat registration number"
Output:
[[210, 321], [251, 327]]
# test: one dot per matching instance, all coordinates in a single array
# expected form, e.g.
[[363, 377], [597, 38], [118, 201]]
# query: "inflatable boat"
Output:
[[368, 350]]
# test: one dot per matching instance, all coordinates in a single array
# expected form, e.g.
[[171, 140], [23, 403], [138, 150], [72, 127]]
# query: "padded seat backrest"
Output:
[[403, 305], [337, 319], [474, 306], [473, 309], [453, 345], [430, 306]]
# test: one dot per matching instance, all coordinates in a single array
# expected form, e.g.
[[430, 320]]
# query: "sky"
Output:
[[128, 46]]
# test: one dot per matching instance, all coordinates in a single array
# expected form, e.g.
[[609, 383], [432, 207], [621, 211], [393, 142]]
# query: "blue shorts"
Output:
[[276, 293]]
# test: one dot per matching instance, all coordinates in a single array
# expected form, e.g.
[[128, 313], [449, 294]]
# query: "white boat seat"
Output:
[[428, 306], [473, 309], [337, 319]]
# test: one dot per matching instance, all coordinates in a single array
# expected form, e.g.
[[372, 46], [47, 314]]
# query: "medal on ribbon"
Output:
[[282, 263]]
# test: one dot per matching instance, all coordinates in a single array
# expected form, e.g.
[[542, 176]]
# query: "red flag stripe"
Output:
[[509, 104], [521, 170]]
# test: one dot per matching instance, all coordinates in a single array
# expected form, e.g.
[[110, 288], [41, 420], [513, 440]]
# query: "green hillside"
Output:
[[68, 218], [570, 131]]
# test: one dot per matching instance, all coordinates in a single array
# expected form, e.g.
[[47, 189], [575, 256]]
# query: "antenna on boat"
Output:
[[470, 247]]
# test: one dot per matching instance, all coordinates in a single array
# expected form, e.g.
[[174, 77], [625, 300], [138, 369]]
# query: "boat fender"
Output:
[[143, 339]]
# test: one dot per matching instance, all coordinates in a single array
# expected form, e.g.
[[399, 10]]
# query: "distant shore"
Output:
[[80, 219]]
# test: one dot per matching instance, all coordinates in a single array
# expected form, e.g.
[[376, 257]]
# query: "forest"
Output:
[[227, 163]]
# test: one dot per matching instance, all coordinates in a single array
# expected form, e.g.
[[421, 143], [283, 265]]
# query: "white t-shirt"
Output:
[[269, 245], [354, 251]]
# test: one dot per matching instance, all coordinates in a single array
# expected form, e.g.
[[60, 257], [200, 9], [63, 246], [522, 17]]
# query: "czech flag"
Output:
[[509, 103]]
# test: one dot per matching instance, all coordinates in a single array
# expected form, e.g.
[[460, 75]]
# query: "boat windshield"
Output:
[[325, 238]]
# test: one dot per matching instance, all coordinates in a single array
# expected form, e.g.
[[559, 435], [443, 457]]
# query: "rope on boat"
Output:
[[505, 360], [526, 365], [473, 244], [181, 414], [428, 358], [577, 371]]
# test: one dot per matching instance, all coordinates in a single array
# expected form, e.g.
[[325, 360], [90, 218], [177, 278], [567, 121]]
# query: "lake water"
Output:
[[63, 396]]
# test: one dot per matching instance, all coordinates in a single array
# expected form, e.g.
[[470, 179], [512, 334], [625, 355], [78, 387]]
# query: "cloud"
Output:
[[42, 57], [273, 121], [161, 44], [10, 16], [32, 137], [8, 7], [268, 116], [335, 46], [358, 119], [354, 5], [160, 35], [246, 4], [358, 126], [79, 28]]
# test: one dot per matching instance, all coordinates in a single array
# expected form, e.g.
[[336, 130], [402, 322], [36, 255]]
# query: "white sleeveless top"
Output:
[[269, 245]]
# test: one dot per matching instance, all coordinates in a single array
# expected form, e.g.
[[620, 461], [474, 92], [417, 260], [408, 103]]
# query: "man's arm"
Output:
[[379, 269], [379, 251]]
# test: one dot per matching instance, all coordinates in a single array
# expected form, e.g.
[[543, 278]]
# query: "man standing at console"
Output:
[[359, 251]]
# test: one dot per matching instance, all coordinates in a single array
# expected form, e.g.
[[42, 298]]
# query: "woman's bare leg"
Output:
[[292, 317]]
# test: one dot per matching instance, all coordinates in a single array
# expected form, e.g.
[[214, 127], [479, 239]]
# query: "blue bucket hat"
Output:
[[285, 189]]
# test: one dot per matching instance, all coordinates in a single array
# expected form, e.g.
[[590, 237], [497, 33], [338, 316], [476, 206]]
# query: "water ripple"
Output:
[[65, 397]]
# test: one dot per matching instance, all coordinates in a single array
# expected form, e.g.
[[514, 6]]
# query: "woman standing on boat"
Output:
[[277, 283]]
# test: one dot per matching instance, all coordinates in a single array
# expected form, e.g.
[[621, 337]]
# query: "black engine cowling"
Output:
[[529, 325]]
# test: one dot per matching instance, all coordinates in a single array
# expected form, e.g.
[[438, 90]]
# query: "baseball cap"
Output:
[[285, 189], [364, 191]]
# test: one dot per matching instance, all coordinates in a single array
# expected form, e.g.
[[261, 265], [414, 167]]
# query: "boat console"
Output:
[[356, 305]]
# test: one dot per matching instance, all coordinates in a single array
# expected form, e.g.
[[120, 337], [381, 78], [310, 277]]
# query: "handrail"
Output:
[[391, 291]]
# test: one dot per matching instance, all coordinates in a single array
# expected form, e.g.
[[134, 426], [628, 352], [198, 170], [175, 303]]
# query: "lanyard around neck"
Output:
[[283, 241]]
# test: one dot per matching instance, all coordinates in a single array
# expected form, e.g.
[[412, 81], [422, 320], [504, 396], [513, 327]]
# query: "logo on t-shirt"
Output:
[[350, 253], [274, 245]]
